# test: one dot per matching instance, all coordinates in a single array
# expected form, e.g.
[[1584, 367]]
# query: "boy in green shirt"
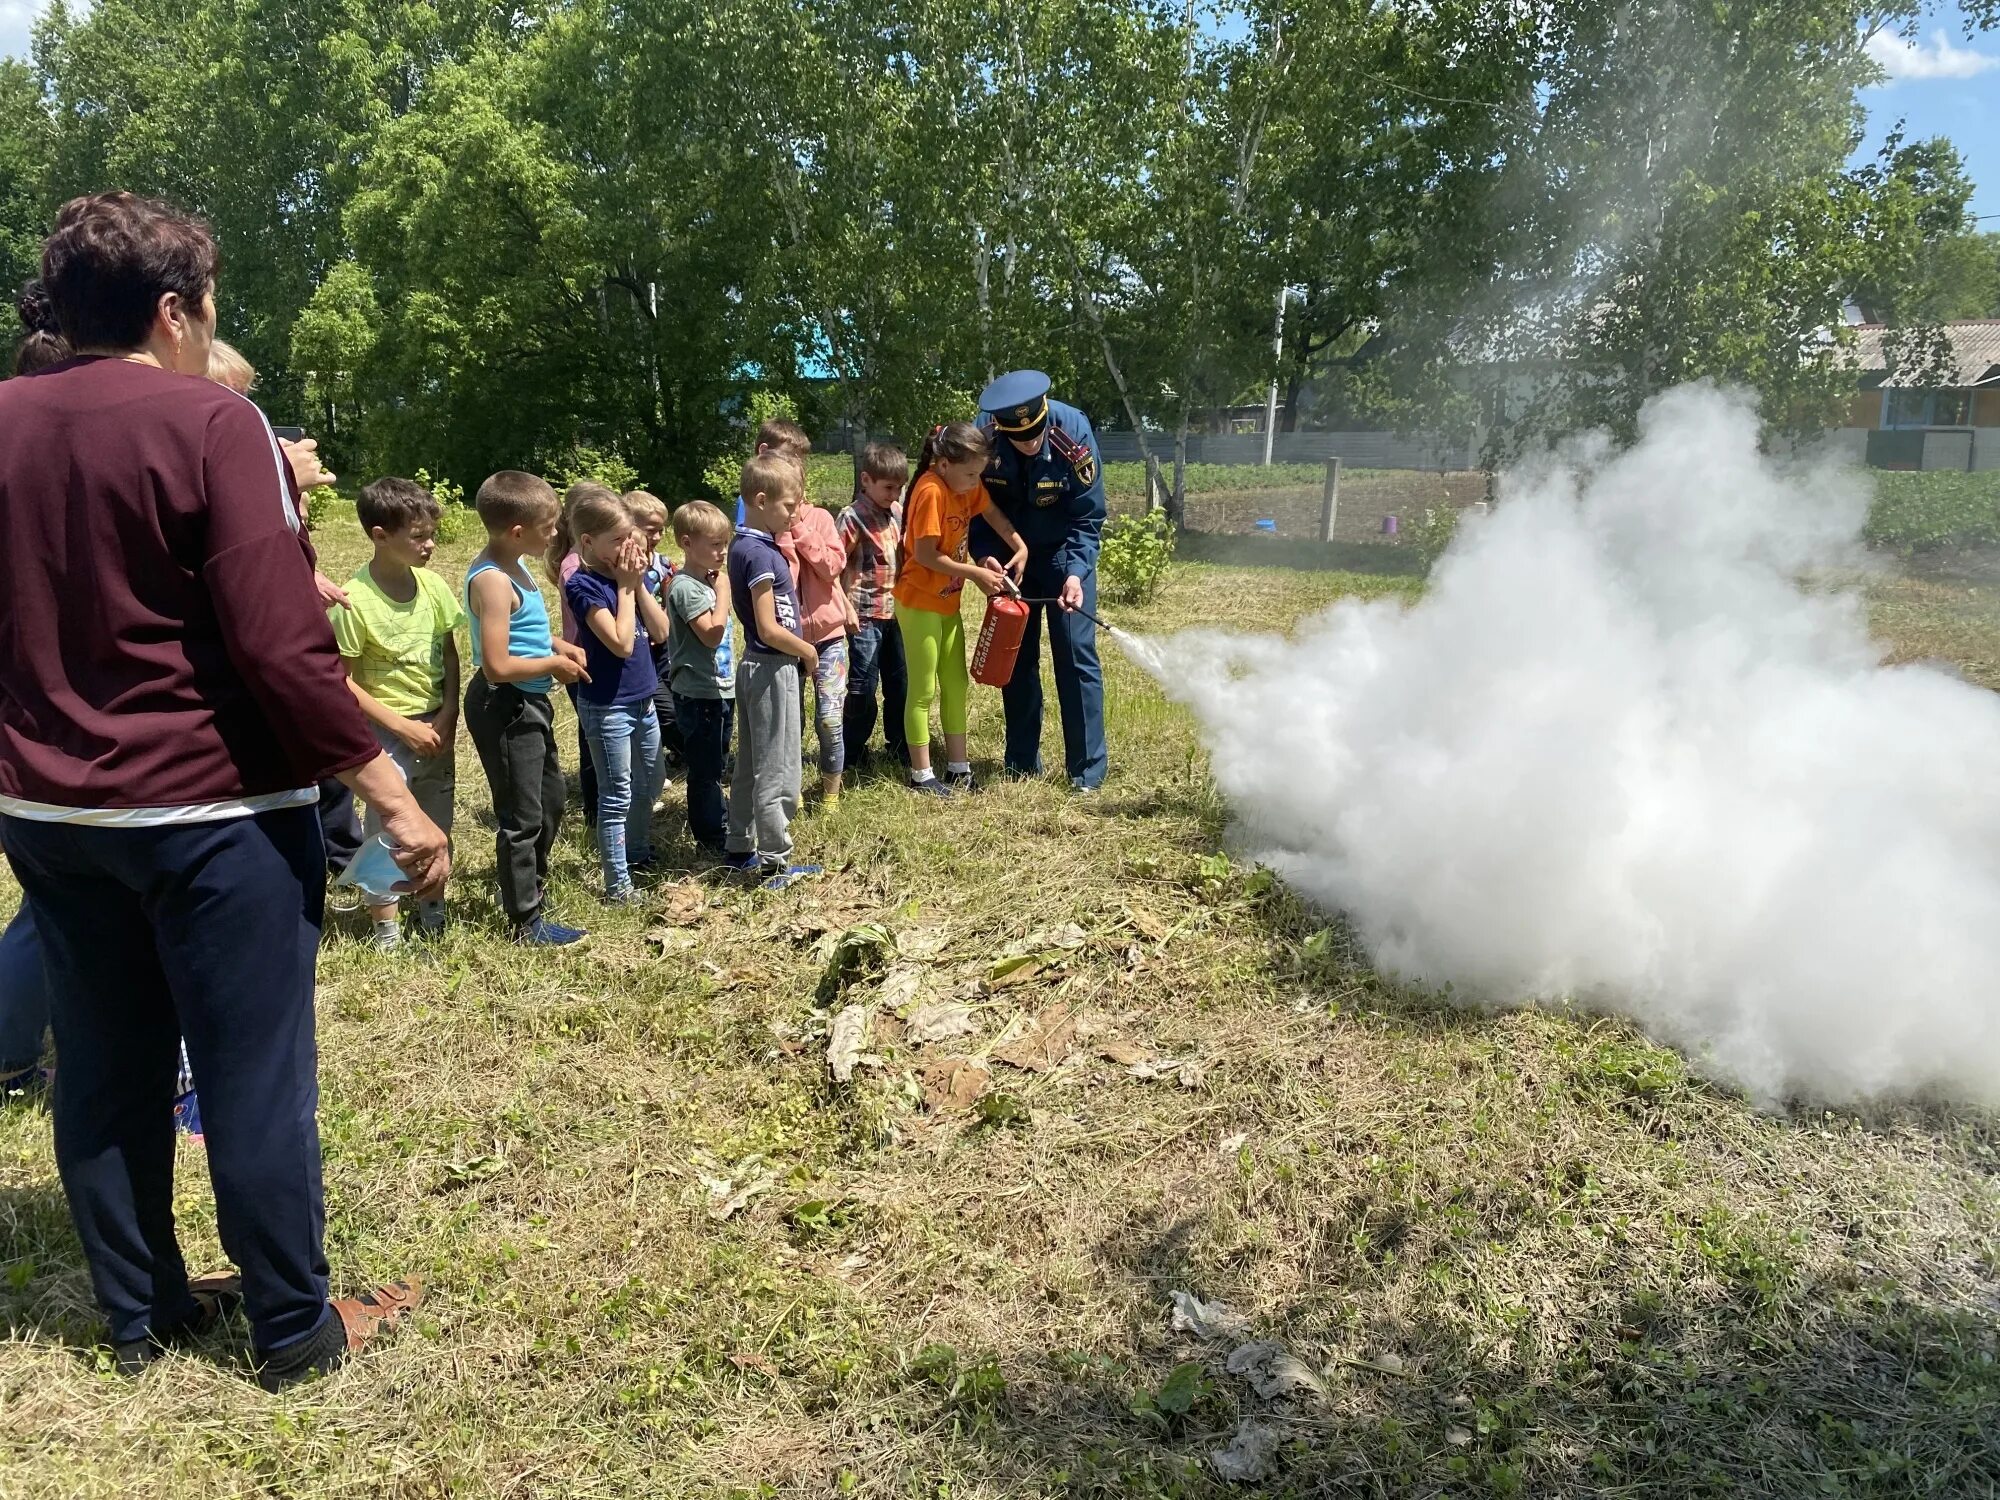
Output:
[[395, 639]]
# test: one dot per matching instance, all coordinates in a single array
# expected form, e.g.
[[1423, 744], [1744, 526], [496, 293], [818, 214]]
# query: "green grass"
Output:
[[1595, 1273], [1937, 510]]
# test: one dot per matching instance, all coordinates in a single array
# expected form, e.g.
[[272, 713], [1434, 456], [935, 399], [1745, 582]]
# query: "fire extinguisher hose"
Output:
[[1014, 589]]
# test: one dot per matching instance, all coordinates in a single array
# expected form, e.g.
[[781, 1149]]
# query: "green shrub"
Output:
[[723, 472], [458, 523], [721, 475], [764, 406], [829, 480], [761, 409], [1433, 532], [1922, 512], [605, 465], [324, 507], [1134, 556], [456, 520]]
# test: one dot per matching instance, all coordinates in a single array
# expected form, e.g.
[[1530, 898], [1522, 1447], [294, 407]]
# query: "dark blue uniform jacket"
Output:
[[1056, 498]]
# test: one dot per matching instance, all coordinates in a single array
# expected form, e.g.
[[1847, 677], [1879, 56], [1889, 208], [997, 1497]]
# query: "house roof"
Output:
[[1975, 354]]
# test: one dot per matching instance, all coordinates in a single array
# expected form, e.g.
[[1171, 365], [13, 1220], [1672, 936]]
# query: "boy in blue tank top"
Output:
[[515, 661]]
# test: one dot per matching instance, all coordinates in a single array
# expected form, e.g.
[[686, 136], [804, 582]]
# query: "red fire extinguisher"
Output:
[[999, 640]]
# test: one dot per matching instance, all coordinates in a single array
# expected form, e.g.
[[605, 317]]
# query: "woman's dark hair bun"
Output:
[[38, 314]]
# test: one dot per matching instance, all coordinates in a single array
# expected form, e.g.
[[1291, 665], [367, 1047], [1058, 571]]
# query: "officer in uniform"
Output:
[[1047, 478]]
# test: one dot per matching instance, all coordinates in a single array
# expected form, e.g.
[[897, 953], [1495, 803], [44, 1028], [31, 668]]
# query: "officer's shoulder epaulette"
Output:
[[1073, 451]]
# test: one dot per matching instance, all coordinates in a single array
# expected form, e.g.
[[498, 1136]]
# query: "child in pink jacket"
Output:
[[814, 550]]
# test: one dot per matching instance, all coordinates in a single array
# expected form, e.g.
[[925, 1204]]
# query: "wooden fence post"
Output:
[[1329, 500], [1155, 487]]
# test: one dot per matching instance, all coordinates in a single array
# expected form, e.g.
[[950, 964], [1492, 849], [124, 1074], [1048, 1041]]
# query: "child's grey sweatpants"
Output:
[[764, 793]]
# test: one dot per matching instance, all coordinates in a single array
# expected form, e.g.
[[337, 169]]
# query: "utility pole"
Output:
[[1329, 500], [1277, 358]]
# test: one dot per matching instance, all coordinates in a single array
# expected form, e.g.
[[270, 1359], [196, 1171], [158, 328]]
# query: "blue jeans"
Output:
[[218, 928], [705, 724], [875, 654], [830, 704], [24, 994], [625, 751]]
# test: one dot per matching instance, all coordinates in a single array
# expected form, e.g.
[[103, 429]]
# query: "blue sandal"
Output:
[[792, 875]]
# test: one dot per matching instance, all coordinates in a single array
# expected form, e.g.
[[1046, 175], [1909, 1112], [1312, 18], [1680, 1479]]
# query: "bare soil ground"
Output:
[[1366, 496]]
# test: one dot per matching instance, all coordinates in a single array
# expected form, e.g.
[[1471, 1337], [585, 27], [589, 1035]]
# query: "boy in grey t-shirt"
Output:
[[703, 668]]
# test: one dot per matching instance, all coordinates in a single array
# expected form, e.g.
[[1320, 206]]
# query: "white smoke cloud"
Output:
[[1616, 752], [1901, 58]]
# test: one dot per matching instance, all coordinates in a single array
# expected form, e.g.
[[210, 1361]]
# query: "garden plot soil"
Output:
[[1366, 496]]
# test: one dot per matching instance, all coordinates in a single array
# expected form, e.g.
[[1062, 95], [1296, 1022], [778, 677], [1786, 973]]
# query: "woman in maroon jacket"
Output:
[[169, 696]]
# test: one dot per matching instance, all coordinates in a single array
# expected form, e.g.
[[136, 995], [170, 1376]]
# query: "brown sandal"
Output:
[[370, 1313]]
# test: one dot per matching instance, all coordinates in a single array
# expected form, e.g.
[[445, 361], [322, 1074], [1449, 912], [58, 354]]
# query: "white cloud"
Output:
[[17, 19], [1936, 57]]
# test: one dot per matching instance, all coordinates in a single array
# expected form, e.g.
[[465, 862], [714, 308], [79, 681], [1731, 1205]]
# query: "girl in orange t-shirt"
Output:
[[932, 572]]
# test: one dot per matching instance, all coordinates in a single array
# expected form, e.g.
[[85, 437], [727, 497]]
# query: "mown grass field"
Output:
[[1524, 1253]]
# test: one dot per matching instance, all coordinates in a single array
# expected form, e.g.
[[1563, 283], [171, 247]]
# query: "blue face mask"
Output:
[[374, 870]]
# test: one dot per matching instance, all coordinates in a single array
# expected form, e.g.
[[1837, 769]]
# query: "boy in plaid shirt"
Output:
[[872, 529]]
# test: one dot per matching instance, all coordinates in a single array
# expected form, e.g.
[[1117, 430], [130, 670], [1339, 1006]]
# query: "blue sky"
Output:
[[15, 18], [1942, 84], [1939, 84]]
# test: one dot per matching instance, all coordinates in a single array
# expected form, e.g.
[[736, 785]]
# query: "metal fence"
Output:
[[1357, 450]]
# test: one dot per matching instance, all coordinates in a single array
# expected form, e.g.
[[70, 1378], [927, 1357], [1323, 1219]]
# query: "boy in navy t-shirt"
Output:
[[764, 795]]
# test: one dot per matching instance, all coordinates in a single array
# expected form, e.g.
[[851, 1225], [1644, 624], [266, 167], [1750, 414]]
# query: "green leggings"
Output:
[[934, 646]]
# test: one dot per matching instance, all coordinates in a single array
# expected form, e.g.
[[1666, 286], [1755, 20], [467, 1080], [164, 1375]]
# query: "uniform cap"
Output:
[[1019, 402]]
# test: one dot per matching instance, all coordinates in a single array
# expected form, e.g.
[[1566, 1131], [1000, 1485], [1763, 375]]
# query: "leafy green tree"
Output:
[[831, 108], [1400, 167], [1681, 208], [255, 114], [463, 235], [569, 250], [334, 340], [1952, 275], [24, 146]]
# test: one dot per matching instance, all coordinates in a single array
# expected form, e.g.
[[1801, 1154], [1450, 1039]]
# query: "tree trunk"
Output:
[[1090, 309], [1299, 368], [1177, 509], [982, 259], [858, 423]]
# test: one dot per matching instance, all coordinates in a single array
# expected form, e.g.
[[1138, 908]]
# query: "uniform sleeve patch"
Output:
[[1076, 453]]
